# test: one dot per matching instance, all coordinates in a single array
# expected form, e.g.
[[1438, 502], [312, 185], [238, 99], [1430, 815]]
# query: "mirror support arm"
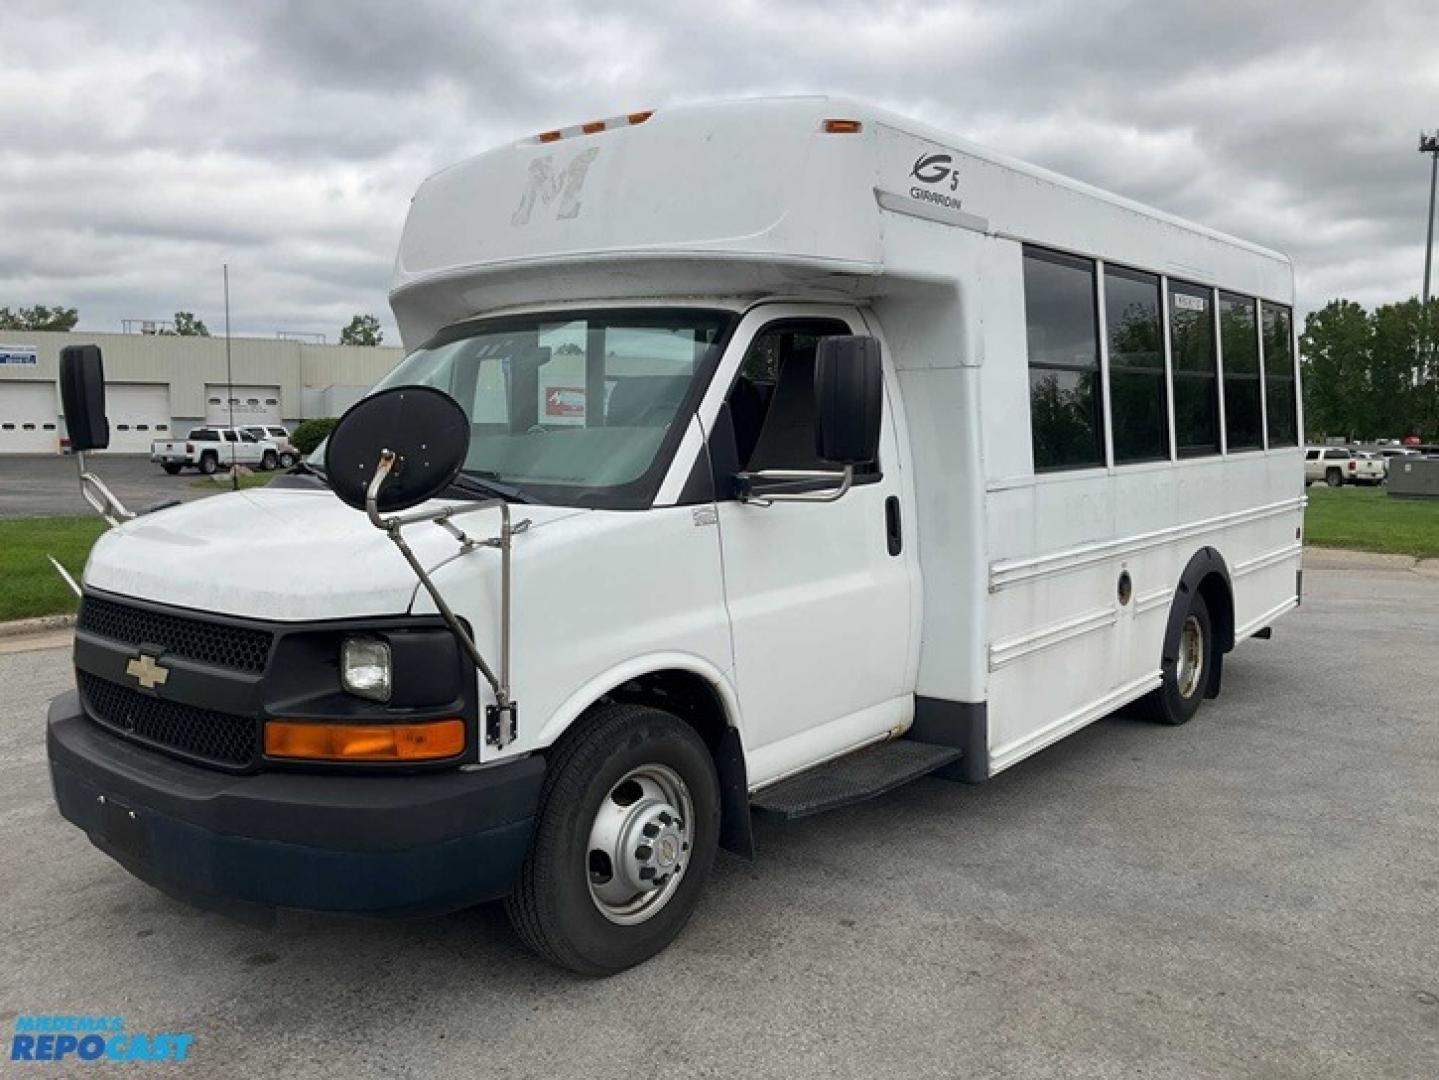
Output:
[[844, 481], [502, 718], [101, 498]]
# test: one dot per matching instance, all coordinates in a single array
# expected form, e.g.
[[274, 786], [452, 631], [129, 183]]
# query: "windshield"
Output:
[[574, 407]]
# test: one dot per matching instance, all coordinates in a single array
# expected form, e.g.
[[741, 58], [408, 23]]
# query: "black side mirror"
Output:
[[82, 393], [425, 430], [849, 397]]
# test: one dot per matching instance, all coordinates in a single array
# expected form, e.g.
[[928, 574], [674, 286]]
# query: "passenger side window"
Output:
[[772, 402], [1239, 348], [1279, 375], [1196, 391], [1138, 401], [1062, 332]]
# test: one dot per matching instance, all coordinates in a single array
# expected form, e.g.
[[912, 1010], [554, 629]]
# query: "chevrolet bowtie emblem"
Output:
[[148, 673]]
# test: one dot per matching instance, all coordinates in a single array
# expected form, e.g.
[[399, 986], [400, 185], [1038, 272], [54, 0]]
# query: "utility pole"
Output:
[[230, 386], [1429, 144]]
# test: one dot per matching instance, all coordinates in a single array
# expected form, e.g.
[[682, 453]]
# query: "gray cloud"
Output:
[[145, 144]]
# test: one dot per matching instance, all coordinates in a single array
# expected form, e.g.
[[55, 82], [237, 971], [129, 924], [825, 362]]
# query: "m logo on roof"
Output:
[[548, 185]]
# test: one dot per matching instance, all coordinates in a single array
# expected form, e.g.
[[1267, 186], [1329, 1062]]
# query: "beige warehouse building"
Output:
[[161, 386]]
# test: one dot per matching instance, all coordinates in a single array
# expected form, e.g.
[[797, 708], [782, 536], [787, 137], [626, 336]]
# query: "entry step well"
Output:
[[853, 778]]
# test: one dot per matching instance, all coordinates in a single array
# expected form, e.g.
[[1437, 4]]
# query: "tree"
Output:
[[186, 325], [1336, 347], [39, 317], [363, 330]]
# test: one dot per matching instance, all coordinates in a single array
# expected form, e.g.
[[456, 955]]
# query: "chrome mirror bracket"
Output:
[[843, 481], [501, 718]]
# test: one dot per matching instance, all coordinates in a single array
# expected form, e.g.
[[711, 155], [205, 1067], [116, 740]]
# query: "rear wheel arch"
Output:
[[1206, 574]]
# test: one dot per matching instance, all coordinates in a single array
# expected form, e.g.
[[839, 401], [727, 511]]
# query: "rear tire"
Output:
[[209, 463], [612, 820], [1334, 478], [268, 462], [173, 470], [1185, 679]]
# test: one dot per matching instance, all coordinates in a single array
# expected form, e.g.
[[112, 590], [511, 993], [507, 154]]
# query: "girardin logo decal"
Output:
[[935, 169], [547, 185]]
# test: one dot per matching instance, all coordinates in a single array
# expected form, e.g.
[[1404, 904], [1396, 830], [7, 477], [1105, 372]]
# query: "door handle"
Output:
[[893, 531]]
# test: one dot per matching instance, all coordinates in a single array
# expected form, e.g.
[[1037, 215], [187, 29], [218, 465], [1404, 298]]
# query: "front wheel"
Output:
[[287, 460], [626, 834], [1185, 679], [268, 462]]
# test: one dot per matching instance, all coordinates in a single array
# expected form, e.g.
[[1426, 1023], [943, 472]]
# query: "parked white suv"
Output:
[[210, 448], [1338, 465], [280, 436]]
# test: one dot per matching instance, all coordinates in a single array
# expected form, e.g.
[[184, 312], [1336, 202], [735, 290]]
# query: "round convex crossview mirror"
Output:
[[426, 430]]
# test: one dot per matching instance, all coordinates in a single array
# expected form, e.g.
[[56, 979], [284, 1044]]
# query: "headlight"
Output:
[[365, 667]]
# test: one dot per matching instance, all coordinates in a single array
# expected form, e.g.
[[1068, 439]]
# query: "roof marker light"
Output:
[[594, 127], [843, 127]]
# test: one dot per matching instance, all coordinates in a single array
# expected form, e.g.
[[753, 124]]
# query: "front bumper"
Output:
[[413, 844]]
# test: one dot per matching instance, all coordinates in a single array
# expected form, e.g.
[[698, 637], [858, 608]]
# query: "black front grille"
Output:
[[239, 648], [185, 729]]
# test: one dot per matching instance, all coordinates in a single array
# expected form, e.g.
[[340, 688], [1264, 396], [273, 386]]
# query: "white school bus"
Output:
[[750, 456]]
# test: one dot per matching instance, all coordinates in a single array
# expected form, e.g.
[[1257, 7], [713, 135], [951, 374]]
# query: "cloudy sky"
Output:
[[146, 144]]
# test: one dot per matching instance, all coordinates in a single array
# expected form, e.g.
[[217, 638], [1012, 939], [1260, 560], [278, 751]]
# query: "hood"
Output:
[[285, 555]]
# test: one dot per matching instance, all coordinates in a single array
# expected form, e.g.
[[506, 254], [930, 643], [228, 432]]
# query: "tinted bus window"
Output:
[[1279, 376], [1196, 394], [1139, 408], [1062, 330], [1239, 348]]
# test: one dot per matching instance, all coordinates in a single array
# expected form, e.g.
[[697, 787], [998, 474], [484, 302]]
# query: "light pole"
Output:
[[1429, 144]]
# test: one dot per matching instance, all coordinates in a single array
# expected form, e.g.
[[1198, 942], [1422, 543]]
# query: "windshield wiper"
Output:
[[476, 482]]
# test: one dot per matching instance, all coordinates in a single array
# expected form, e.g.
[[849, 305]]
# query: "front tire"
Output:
[[1185, 679], [287, 460], [268, 462], [626, 834]]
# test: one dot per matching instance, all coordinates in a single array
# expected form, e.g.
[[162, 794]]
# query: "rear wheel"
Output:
[[208, 464], [1334, 478], [173, 470], [1185, 679], [269, 461], [626, 833]]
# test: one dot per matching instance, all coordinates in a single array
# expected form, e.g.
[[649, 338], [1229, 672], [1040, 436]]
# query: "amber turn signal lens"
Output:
[[364, 742], [593, 127], [550, 136], [639, 117], [843, 127]]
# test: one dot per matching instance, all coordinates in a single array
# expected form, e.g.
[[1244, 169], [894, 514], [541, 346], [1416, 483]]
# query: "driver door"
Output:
[[819, 594]]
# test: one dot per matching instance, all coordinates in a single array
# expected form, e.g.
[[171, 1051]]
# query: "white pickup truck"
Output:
[[210, 448], [1338, 465]]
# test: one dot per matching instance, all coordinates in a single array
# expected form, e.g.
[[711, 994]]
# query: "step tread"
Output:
[[853, 778]]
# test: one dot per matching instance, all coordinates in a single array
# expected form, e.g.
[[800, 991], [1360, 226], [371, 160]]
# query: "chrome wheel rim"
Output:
[[1191, 657], [639, 844]]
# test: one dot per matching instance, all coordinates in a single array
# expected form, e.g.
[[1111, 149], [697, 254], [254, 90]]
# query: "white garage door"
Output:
[[139, 413], [28, 418], [253, 405]]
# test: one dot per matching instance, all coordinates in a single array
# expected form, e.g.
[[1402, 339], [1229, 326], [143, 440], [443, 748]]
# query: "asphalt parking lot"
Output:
[[47, 486], [1254, 894]]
